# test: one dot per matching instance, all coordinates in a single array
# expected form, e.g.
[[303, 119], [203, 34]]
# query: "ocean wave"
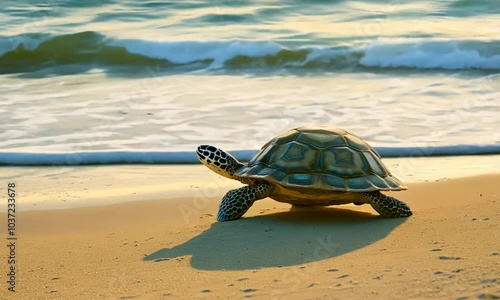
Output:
[[33, 52], [185, 157]]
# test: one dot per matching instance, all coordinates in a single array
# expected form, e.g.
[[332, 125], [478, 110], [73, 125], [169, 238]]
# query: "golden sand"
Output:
[[172, 247]]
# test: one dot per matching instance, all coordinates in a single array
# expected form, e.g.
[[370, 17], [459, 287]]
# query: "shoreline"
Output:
[[106, 157], [47, 188]]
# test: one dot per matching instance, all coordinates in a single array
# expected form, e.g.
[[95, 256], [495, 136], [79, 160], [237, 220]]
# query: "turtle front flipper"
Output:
[[236, 202], [387, 206]]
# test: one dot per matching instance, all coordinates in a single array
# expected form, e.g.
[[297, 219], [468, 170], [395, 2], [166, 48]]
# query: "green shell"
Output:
[[321, 158]]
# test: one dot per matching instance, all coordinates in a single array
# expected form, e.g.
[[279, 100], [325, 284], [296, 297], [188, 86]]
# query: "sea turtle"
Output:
[[307, 166]]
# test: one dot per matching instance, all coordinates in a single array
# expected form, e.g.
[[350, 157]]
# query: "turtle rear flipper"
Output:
[[387, 206]]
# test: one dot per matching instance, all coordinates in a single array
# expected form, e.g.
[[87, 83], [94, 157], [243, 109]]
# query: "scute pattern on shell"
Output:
[[321, 158]]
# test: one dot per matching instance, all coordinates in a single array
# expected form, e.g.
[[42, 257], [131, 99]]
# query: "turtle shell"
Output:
[[323, 158]]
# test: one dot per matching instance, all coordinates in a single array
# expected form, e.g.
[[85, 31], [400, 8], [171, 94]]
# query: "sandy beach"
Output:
[[154, 236]]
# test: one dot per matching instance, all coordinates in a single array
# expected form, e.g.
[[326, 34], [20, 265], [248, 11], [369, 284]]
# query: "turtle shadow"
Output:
[[281, 239]]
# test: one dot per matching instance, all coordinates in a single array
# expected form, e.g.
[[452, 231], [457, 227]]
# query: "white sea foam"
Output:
[[429, 55], [176, 113], [419, 54], [193, 51], [28, 42]]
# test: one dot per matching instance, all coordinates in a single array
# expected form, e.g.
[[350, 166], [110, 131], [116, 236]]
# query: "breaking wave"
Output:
[[33, 52]]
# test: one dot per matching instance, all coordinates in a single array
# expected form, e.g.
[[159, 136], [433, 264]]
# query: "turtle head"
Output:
[[218, 160]]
